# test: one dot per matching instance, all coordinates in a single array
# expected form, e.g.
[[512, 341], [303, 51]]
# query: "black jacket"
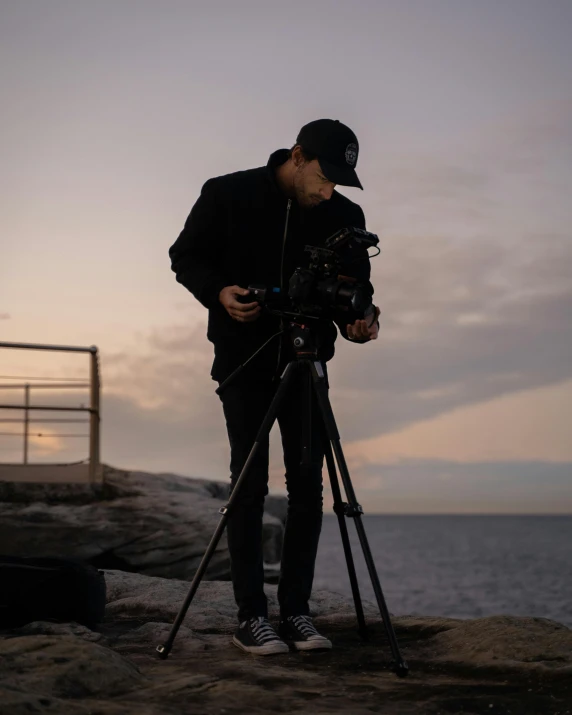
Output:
[[236, 234]]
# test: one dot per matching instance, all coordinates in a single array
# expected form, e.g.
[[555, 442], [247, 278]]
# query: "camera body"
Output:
[[321, 290]]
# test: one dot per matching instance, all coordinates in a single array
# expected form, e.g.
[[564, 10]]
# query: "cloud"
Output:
[[441, 486], [168, 368], [474, 282], [462, 322], [474, 279], [5, 316], [525, 144], [433, 353], [528, 425], [433, 356], [497, 179]]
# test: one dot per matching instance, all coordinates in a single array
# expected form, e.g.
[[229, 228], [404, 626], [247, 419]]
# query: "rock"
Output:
[[135, 597], [65, 666], [501, 664], [49, 628], [158, 525], [24, 703], [506, 642]]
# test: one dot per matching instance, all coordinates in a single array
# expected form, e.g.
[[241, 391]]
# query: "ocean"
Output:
[[458, 566]]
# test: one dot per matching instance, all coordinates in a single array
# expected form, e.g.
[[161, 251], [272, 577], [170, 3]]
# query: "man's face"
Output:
[[310, 184]]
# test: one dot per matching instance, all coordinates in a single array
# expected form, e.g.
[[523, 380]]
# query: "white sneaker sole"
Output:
[[268, 649], [321, 644]]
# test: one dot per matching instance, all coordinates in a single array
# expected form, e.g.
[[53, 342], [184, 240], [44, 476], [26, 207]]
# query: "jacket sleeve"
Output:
[[195, 255], [361, 270]]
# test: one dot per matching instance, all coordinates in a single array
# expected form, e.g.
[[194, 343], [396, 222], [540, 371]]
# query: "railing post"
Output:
[[94, 417], [26, 420]]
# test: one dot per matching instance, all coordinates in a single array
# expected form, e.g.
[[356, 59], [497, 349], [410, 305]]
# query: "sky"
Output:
[[115, 113]]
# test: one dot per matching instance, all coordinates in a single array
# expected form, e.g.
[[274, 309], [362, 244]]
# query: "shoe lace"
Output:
[[262, 630], [304, 625]]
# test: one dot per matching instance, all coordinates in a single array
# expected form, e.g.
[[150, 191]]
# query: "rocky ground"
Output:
[[491, 665], [147, 531]]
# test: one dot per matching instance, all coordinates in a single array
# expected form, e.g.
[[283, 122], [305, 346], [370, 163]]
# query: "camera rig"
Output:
[[321, 288]]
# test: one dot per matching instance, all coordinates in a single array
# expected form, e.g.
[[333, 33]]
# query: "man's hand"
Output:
[[361, 330], [243, 312]]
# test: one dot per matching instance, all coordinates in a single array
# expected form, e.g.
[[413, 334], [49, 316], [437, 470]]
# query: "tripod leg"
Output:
[[338, 504], [164, 649], [340, 513], [354, 510]]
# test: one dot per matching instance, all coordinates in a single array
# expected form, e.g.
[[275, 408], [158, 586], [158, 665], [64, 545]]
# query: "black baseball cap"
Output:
[[336, 148]]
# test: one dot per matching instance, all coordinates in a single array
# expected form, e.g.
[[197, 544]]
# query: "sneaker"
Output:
[[257, 636], [302, 634]]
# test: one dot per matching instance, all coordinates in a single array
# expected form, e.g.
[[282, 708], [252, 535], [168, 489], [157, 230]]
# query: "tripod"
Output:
[[306, 359]]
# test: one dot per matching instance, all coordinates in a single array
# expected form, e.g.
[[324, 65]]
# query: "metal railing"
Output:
[[94, 386]]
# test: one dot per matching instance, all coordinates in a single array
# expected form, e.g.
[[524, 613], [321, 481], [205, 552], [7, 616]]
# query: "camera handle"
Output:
[[306, 358]]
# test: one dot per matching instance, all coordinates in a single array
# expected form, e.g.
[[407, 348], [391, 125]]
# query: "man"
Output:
[[251, 227]]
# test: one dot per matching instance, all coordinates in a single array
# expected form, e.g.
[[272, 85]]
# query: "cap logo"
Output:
[[351, 154]]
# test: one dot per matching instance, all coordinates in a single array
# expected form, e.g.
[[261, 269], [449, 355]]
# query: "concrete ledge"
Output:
[[48, 473]]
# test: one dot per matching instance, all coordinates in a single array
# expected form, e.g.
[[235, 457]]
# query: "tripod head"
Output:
[[301, 330]]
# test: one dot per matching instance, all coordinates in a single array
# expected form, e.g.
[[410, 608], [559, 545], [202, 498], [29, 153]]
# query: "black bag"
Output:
[[41, 589]]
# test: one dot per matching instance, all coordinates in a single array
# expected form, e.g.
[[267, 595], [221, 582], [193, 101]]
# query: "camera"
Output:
[[321, 290]]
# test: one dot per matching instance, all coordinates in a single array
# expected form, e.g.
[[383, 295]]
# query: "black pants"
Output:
[[245, 402]]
